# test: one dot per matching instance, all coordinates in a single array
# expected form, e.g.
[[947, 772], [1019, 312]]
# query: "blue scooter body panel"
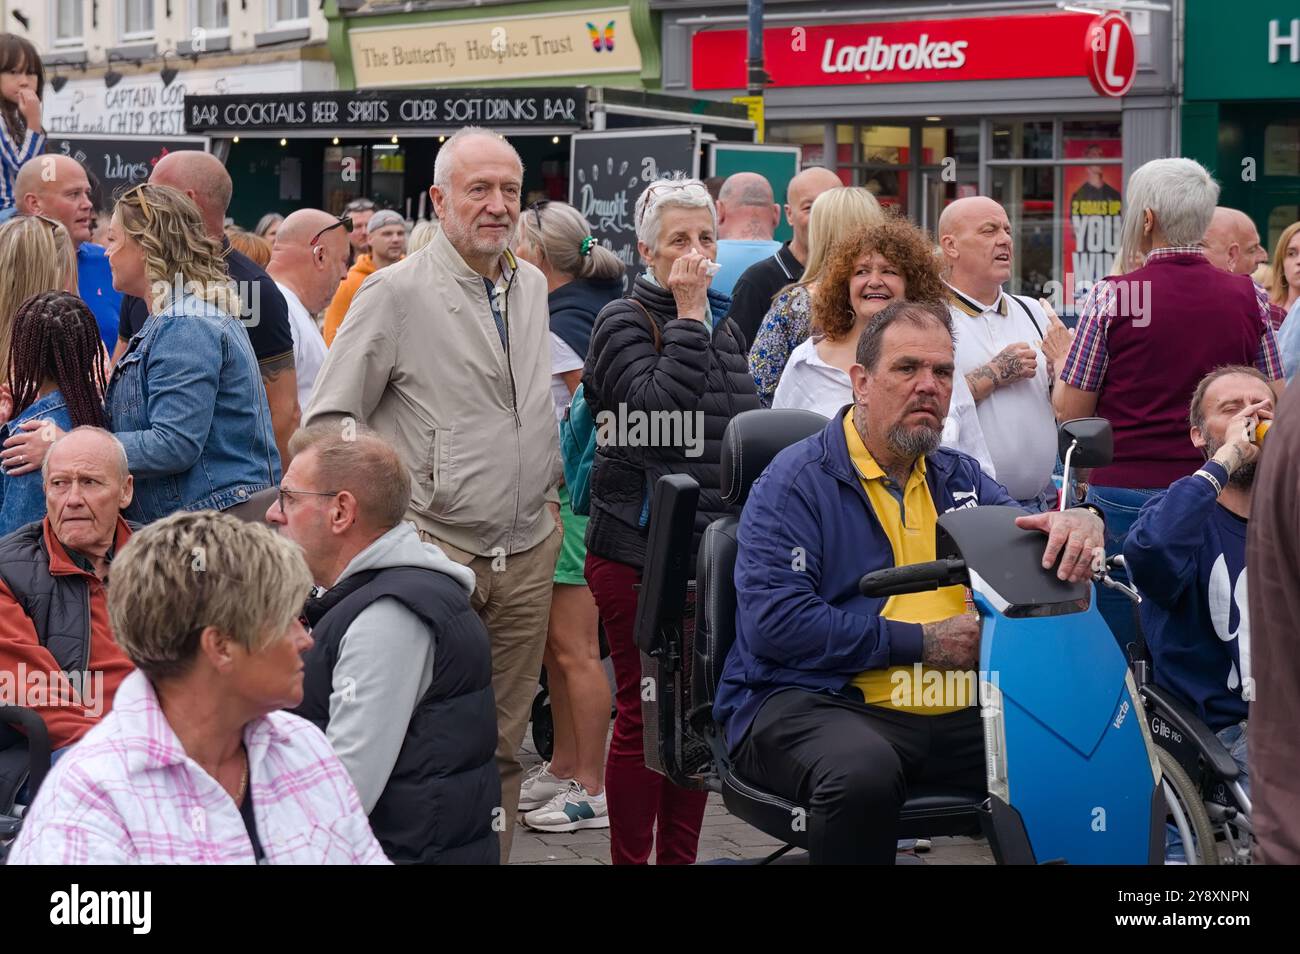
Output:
[[1077, 764]]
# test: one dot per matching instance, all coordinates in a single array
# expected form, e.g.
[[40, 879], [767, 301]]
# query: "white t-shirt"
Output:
[[563, 358], [308, 346], [811, 384], [1018, 422]]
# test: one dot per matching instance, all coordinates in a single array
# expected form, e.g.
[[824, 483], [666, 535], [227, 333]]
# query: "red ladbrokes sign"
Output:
[[917, 51]]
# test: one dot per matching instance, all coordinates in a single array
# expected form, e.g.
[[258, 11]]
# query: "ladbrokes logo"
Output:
[[877, 56], [74, 907]]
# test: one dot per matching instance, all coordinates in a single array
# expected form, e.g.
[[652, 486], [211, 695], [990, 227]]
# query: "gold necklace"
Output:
[[243, 781]]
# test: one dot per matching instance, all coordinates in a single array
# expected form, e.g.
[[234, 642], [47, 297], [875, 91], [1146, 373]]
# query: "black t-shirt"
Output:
[[270, 334], [758, 285]]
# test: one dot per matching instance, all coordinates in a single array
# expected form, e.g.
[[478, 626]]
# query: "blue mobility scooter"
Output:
[[1073, 774]]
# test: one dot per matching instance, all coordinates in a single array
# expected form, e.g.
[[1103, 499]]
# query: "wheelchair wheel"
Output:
[[1187, 811]]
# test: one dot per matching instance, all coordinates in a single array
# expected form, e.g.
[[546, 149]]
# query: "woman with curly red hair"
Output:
[[874, 267]]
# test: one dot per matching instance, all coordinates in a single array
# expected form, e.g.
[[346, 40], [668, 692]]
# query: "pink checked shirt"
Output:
[[128, 794]]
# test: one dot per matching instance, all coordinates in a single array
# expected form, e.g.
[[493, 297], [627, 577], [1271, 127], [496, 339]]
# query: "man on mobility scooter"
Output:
[[827, 695]]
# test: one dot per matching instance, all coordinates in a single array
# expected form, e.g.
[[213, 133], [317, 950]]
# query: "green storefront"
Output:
[[412, 73], [1241, 105]]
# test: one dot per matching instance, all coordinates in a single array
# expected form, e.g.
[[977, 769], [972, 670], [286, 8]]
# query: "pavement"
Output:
[[724, 838]]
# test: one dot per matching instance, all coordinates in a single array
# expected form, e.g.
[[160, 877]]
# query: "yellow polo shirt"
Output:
[[910, 529]]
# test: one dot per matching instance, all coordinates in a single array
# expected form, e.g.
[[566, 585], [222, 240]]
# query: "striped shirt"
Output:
[[1085, 367], [12, 156], [128, 793]]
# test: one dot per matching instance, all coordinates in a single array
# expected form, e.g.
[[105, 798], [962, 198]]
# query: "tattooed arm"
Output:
[[1013, 363]]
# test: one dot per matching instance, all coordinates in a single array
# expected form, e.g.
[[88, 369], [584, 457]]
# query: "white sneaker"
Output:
[[539, 787], [570, 810]]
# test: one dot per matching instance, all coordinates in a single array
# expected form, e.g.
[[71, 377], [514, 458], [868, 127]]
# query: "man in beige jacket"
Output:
[[446, 354]]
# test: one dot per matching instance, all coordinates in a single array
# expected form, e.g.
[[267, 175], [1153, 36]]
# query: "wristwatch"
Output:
[[1095, 509]]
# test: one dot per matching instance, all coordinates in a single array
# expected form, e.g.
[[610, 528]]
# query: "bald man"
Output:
[[308, 261], [57, 187], [1007, 348], [1232, 244], [752, 294], [747, 219], [204, 178]]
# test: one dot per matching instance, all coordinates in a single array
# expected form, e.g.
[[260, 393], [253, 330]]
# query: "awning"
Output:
[[440, 112]]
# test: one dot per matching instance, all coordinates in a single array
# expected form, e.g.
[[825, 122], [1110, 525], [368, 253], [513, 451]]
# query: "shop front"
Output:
[[1241, 106], [289, 151], [1046, 111]]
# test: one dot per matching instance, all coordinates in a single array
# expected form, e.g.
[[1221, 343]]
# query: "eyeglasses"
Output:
[[359, 205], [345, 223], [285, 492]]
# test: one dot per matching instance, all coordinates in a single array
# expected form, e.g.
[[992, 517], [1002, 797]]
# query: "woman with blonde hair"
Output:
[[1284, 286], [186, 399], [35, 256], [421, 235], [836, 213]]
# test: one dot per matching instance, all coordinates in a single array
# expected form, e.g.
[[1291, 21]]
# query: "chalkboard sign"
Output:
[[119, 163], [608, 171]]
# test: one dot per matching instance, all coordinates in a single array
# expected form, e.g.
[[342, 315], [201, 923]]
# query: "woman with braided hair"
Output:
[[56, 375]]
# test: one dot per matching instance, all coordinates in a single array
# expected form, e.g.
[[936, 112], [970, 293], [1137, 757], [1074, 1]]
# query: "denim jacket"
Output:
[[22, 499], [187, 403]]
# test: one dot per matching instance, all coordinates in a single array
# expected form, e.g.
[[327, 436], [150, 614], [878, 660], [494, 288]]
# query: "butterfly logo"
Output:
[[598, 42]]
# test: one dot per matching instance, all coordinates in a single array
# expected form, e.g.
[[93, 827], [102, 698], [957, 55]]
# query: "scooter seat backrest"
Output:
[[715, 608], [751, 440]]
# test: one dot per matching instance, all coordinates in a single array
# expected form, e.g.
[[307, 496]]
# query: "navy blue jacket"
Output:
[[1187, 557], [807, 535], [574, 308]]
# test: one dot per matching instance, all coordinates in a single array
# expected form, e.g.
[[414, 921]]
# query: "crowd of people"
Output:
[[319, 462]]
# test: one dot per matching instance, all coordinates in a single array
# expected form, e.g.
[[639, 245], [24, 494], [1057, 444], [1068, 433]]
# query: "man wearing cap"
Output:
[[387, 237]]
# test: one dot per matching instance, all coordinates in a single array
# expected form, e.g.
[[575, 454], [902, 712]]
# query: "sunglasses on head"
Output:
[[536, 209], [145, 209], [344, 223]]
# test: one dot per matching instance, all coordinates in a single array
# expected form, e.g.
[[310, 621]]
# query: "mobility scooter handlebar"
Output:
[[916, 578]]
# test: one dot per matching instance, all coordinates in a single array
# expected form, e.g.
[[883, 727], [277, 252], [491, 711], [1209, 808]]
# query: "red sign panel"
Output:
[[916, 51], [1112, 55]]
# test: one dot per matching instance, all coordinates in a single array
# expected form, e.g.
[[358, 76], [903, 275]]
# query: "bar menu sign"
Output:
[[564, 107]]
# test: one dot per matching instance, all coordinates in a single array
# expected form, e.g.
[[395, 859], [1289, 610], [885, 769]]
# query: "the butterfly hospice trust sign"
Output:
[[578, 42], [608, 171]]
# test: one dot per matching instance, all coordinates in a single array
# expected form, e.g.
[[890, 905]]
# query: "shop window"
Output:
[[1282, 148], [1028, 194], [288, 11], [212, 15], [959, 143], [811, 136], [1017, 140], [68, 23], [136, 19]]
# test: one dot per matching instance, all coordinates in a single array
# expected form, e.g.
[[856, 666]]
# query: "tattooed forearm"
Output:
[[982, 382]]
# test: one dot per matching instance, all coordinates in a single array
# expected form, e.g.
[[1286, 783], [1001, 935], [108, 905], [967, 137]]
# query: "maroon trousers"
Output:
[[645, 808]]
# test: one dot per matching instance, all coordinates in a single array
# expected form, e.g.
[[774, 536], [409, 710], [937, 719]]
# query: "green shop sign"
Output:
[[1242, 51]]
